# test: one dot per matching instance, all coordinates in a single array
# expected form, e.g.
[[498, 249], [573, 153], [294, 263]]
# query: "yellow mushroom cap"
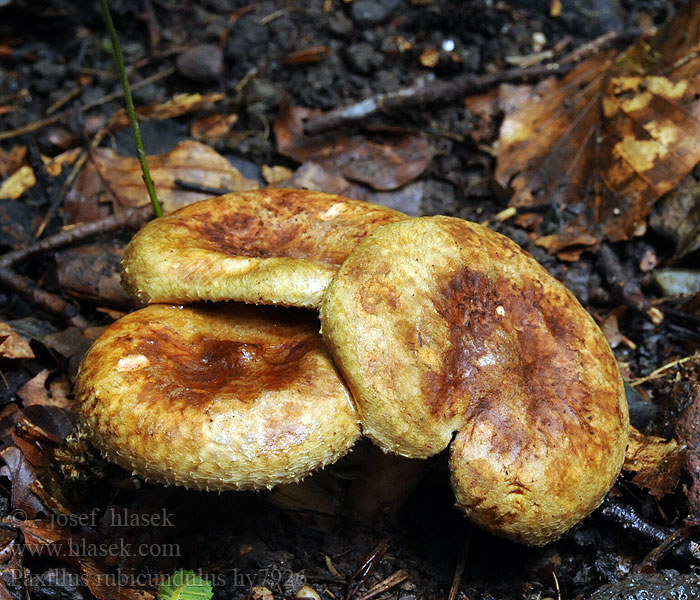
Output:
[[270, 246], [444, 328], [216, 397]]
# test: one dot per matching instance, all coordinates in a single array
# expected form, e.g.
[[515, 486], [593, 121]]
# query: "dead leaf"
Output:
[[567, 246], [214, 129], [312, 176], [25, 503], [18, 183], [189, 161], [484, 107], [677, 216], [177, 106], [91, 272], [656, 463], [107, 587], [607, 141], [12, 344], [34, 391], [67, 343], [276, 174], [385, 160], [11, 160]]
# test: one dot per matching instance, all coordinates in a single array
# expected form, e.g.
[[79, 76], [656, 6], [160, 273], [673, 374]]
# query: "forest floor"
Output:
[[232, 95]]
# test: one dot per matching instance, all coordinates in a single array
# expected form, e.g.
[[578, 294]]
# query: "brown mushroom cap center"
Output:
[[204, 368]]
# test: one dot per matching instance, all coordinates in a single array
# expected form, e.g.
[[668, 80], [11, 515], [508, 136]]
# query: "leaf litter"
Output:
[[602, 145]]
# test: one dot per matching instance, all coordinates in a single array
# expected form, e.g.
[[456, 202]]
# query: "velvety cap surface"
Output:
[[216, 397], [270, 246], [445, 329]]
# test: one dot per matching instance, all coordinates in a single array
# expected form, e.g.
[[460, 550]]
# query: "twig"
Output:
[[651, 560], [37, 125], [435, 91], [132, 217], [645, 531], [423, 93], [589, 48], [656, 373], [459, 570], [49, 302], [386, 584], [366, 568], [131, 110], [620, 279]]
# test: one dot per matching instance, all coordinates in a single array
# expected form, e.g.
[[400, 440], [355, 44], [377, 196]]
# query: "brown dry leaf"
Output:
[[12, 344], [178, 105], [602, 145], [34, 391], [54, 165], [484, 107], [312, 176], [11, 160], [189, 161], [67, 343], [655, 462], [25, 503], [567, 246], [276, 174], [24, 178], [385, 160], [677, 216], [106, 586], [91, 272], [214, 129], [45, 536], [17, 183]]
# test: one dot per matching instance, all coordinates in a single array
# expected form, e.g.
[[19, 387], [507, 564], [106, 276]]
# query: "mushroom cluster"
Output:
[[435, 332]]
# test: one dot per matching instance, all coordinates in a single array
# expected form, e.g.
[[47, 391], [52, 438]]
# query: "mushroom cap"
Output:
[[271, 246], [444, 327], [216, 397]]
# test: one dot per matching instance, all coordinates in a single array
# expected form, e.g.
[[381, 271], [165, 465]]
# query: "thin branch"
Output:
[[46, 300], [441, 91], [425, 92], [37, 125], [132, 217]]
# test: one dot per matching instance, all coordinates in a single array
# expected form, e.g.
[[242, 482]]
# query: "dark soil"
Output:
[[241, 540]]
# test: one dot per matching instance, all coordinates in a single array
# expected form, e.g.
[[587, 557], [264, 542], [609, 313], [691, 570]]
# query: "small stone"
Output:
[[372, 12], [363, 58], [201, 63], [339, 24]]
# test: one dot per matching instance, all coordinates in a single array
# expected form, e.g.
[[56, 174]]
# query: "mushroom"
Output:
[[446, 331], [272, 246], [216, 397]]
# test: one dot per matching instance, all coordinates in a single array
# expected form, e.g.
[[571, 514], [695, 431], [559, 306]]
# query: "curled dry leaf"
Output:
[[189, 161], [178, 105], [677, 216], [655, 462], [22, 475], [603, 144], [92, 272], [385, 160], [12, 344], [214, 129]]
